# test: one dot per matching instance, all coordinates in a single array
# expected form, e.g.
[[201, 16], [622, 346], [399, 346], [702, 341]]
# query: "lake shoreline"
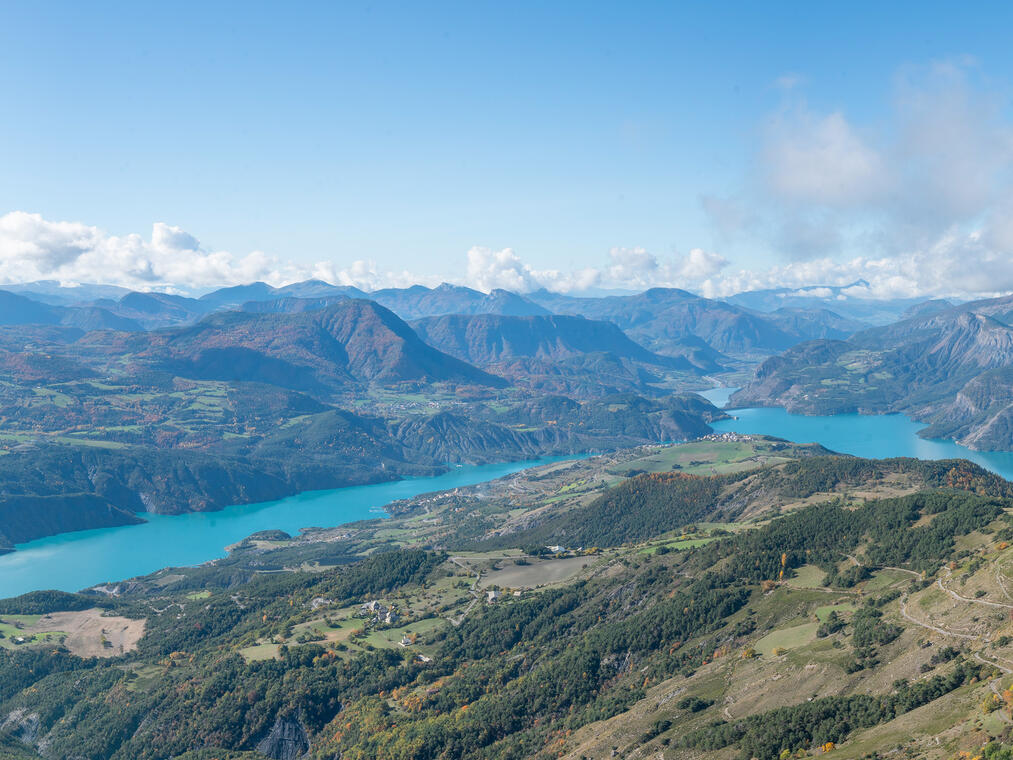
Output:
[[879, 436], [77, 560], [82, 559]]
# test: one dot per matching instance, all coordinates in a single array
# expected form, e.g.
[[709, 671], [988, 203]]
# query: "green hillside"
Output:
[[869, 610]]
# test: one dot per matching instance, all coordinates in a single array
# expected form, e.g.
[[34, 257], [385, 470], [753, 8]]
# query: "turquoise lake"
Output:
[[73, 561], [877, 437]]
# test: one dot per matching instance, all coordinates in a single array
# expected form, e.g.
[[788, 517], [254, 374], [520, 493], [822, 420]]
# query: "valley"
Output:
[[118, 405], [249, 406], [302, 526], [485, 381], [71, 561]]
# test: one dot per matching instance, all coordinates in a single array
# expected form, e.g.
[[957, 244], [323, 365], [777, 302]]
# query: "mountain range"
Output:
[[557, 353], [353, 341], [247, 406], [20, 310], [166, 403], [853, 301], [951, 367], [665, 320]]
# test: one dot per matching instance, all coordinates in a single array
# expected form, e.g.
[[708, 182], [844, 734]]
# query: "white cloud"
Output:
[[366, 275], [954, 149], [827, 186], [918, 203], [636, 268], [821, 159], [626, 269], [810, 292], [700, 264], [956, 263], [168, 238], [489, 269], [34, 248]]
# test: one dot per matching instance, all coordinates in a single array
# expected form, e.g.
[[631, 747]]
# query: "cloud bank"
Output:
[[33, 248], [625, 269], [919, 203]]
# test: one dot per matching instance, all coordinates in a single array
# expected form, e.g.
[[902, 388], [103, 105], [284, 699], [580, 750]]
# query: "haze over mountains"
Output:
[[558, 353], [579, 346], [851, 301]]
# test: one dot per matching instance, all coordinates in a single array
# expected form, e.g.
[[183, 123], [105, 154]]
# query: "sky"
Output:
[[576, 146]]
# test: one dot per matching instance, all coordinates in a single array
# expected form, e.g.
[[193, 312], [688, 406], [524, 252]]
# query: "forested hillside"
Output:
[[870, 590]]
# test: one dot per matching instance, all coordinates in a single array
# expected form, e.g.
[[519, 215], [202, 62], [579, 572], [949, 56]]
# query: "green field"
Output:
[[392, 636], [845, 608], [705, 458], [807, 576], [787, 638], [340, 632], [14, 627], [885, 578], [259, 652], [679, 544]]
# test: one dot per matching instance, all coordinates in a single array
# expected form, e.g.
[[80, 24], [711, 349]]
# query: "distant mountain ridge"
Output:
[[554, 353], [665, 320], [662, 319], [18, 309], [852, 301], [490, 338], [418, 301]]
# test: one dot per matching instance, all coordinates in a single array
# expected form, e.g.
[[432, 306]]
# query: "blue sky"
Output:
[[407, 136]]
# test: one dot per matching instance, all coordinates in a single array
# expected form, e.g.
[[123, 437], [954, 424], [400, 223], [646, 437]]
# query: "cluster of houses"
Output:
[[727, 437], [380, 614]]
